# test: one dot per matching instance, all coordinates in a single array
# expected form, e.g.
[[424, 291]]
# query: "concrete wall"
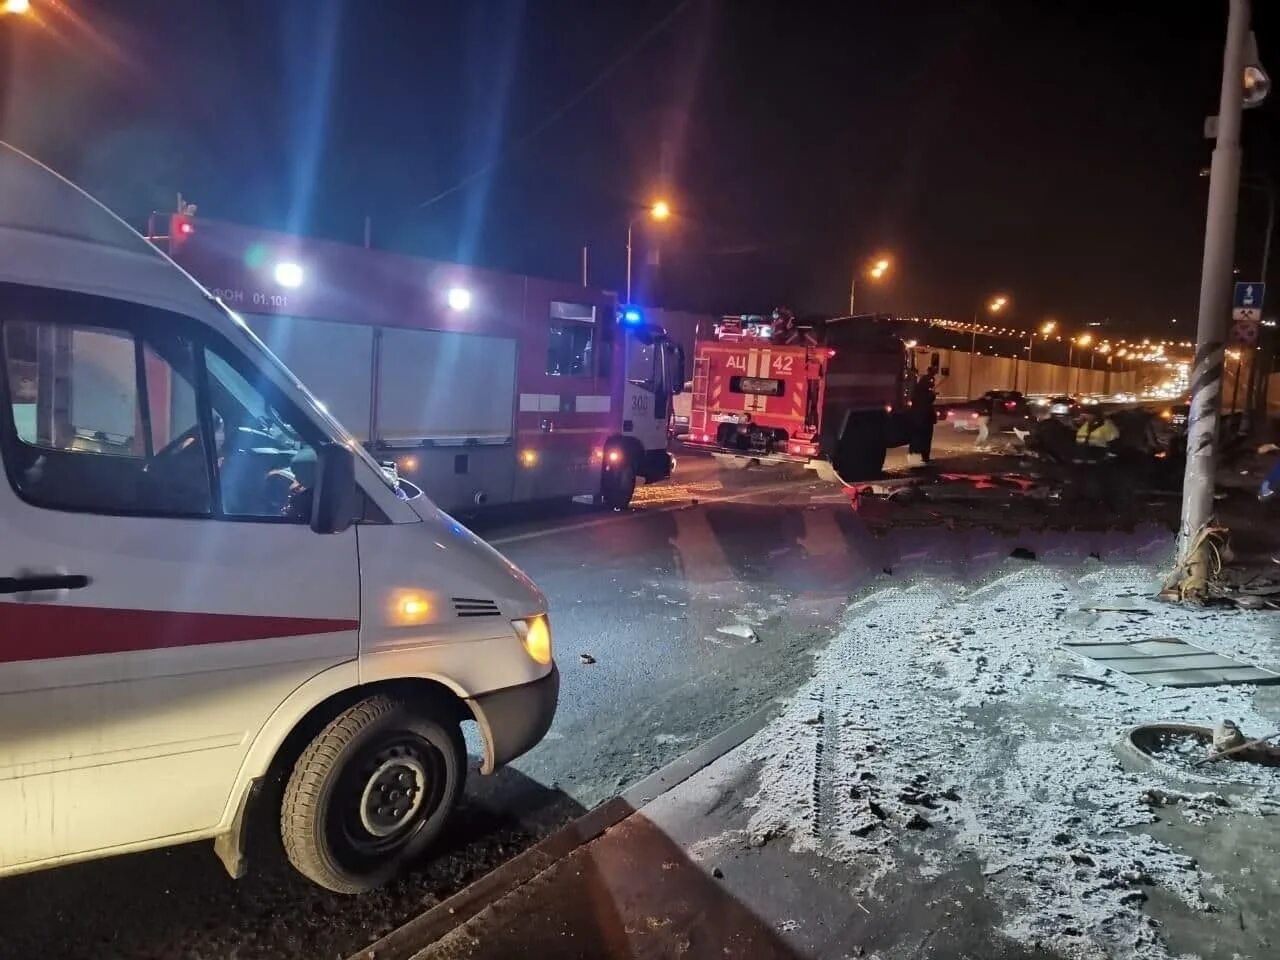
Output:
[[1008, 373]]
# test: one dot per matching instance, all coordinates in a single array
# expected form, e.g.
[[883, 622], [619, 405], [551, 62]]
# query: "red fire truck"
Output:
[[482, 388], [829, 394]]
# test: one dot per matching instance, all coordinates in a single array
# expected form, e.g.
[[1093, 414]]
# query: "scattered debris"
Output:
[[743, 631], [1022, 553], [586, 658], [717, 873]]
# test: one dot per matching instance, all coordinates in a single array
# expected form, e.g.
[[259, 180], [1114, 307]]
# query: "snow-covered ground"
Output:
[[945, 723]]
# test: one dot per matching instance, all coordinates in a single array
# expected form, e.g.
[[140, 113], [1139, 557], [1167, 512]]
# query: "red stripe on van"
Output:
[[44, 631]]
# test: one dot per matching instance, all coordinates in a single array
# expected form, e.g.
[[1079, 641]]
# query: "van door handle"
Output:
[[45, 581]]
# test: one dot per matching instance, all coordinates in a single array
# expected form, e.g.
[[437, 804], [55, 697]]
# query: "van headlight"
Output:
[[535, 637]]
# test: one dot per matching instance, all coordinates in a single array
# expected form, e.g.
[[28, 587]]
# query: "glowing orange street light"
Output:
[[16, 6], [660, 211], [876, 271]]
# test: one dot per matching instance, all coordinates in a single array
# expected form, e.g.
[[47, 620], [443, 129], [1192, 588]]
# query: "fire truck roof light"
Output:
[[289, 275], [632, 316], [459, 298]]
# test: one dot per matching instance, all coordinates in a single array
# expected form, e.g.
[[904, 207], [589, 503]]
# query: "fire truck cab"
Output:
[[832, 395]]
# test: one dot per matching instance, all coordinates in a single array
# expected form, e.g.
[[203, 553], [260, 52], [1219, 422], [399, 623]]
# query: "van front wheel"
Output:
[[370, 793]]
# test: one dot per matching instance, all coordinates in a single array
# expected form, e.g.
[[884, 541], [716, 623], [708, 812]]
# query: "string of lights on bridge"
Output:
[[1143, 351]]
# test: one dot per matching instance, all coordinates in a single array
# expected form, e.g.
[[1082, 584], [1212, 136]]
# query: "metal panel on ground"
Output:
[[333, 360], [1170, 662]]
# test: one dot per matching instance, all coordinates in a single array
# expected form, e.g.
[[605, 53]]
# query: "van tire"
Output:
[[332, 817], [618, 484]]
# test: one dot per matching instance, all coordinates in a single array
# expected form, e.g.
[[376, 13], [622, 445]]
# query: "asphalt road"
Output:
[[671, 620]]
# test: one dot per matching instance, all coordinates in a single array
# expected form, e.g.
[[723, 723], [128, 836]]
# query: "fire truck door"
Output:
[[646, 401]]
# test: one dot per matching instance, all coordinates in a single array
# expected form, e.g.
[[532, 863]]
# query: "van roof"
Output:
[[55, 235]]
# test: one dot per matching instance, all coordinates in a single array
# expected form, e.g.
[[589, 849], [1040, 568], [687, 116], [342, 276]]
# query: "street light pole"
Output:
[[1215, 288], [630, 227]]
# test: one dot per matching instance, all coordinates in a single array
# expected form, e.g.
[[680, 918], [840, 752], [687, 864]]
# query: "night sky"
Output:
[[1049, 151]]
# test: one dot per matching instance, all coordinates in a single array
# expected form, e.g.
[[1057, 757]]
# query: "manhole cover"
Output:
[[1177, 748]]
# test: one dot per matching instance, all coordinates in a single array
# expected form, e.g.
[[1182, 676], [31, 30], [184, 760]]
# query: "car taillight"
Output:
[[1009, 404]]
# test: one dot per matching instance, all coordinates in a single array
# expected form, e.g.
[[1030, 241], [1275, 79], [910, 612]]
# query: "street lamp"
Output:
[[660, 210], [994, 305], [16, 6], [876, 270], [1046, 328], [1081, 341]]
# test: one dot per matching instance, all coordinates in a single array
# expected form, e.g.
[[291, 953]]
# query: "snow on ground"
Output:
[[939, 726]]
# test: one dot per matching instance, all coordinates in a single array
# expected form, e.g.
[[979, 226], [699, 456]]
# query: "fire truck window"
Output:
[[103, 421], [569, 350], [266, 469], [641, 364]]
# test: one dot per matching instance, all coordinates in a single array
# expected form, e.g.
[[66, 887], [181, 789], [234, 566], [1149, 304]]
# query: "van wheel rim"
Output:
[[393, 793]]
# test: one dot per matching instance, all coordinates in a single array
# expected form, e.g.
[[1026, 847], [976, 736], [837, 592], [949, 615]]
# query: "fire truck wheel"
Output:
[[370, 793], [617, 485]]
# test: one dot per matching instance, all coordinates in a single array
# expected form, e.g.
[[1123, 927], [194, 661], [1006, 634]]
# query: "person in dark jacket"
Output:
[[923, 396]]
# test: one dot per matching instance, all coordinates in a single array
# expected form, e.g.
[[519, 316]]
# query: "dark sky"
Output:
[[1047, 150]]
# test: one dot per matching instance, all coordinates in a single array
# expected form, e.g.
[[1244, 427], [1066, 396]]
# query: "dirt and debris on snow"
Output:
[[938, 728]]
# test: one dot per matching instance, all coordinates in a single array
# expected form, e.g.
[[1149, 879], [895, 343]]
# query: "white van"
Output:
[[207, 587]]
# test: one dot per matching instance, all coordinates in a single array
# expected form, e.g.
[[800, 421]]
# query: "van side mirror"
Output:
[[677, 358], [336, 497]]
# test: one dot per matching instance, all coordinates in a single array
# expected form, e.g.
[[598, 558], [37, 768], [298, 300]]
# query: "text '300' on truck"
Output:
[[832, 395], [482, 388]]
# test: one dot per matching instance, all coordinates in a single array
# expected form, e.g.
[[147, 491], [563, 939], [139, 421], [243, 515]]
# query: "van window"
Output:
[[103, 420], [266, 469]]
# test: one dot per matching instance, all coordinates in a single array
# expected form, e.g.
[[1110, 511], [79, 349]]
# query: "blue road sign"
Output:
[[1248, 296]]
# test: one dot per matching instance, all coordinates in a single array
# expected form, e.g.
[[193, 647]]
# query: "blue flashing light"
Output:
[[632, 317]]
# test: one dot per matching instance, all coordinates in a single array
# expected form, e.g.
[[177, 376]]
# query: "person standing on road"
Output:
[[923, 396], [1097, 431], [986, 409]]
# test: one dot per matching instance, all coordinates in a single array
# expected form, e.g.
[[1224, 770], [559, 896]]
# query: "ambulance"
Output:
[[214, 605]]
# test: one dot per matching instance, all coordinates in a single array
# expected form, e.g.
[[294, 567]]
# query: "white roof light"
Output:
[[459, 298], [289, 275]]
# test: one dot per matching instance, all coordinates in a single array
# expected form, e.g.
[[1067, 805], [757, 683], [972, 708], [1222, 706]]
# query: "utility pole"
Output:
[[1215, 289], [585, 254]]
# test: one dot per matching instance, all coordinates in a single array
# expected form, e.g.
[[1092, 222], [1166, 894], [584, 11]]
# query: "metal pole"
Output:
[[630, 224], [1215, 288], [973, 355], [853, 286], [1031, 342], [584, 264], [1235, 383]]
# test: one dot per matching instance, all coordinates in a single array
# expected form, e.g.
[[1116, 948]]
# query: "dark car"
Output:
[[1063, 406]]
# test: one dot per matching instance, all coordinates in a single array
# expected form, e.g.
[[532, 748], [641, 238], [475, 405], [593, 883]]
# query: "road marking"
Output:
[[619, 518]]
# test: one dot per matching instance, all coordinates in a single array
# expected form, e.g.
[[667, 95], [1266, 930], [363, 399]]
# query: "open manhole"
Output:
[[1177, 748]]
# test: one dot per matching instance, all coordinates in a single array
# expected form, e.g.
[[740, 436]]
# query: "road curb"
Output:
[[410, 938]]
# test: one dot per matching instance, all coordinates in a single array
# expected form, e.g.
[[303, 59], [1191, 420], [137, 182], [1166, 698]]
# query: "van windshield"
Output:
[[335, 430]]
